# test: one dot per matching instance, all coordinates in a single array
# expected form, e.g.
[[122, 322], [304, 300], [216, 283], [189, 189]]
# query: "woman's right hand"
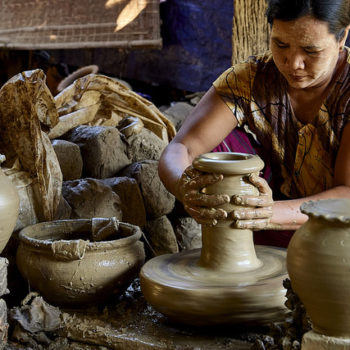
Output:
[[201, 206]]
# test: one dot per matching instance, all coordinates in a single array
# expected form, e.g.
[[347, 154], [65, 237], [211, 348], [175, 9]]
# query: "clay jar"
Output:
[[58, 259], [318, 262], [9, 206], [225, 248]]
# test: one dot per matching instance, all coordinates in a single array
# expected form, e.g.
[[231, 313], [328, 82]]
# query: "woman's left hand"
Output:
[[256, 211]]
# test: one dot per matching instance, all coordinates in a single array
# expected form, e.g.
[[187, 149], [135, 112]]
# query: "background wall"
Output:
[[197, 47]]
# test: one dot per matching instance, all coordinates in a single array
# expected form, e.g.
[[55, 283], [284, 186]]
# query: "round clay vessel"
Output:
[[228, 281], [318, 262], [9, 207], [58, 259]]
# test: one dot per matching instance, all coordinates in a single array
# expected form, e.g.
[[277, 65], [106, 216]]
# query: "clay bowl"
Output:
[[58, 260]]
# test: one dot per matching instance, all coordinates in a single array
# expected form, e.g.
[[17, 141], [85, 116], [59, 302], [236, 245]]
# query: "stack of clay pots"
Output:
[[107, 173]]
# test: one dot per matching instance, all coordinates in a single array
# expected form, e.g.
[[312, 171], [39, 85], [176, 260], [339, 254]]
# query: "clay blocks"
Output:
[[102, 148], [90, 198], [131, 199], [161, 236], [69, 158], [158, 201]]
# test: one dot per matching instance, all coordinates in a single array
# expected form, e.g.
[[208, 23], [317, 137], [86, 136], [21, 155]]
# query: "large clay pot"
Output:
[[318, 262], [59, 260], [9, 206]]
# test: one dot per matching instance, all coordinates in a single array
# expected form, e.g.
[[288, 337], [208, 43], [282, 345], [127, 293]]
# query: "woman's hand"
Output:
[[199, 205], [258, 211]]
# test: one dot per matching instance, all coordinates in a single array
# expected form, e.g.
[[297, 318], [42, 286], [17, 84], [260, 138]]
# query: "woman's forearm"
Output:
[[287, 215], [174, 160]]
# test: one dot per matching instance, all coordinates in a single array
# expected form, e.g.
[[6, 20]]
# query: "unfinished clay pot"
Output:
[[318, 263], [228, 281], [60, 260], [9, 207]]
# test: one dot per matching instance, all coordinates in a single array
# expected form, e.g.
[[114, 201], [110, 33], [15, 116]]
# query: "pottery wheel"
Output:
[[184, 291]]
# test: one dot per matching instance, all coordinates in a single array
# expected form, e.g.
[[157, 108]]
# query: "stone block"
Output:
[[90, 198], [69, 158], [131, 199], [161, 236], [145, 145], [102, 148], [158, 200]]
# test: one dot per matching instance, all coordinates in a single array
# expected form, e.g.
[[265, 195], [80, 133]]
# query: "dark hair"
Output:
[[335, 12]]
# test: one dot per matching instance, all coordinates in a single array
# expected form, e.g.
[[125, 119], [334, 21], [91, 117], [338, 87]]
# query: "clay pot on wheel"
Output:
[[9, 206], [59, 260], [228, 281], [318, 262]]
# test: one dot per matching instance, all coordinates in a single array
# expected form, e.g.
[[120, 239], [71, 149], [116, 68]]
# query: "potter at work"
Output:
[[294, 99], [227, 281]]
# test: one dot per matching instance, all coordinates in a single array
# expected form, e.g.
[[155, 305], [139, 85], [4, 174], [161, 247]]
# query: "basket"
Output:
[[64, 24]]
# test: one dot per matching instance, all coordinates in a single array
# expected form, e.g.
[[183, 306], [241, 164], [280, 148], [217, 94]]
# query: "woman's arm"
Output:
[[208, 124], [287, 215]]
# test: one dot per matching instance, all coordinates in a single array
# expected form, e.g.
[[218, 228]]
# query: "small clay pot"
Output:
[[58, 259], [224, 247], [318, 262], [9, 206]]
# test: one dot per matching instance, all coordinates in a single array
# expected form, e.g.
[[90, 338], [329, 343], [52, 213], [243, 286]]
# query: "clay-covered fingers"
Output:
[[261, 184], [203, 180], [252, 201], [252, 213], [194, 198], [193, 179], [253, 224], [264, 199], [206, 216]]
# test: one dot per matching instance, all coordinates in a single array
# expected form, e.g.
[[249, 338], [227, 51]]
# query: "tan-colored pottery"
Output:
[[60, 260], [227, 281], [318, 263], [9, 207]]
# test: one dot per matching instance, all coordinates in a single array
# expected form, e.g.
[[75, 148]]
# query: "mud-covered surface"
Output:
[[288, 334], [128, 323]]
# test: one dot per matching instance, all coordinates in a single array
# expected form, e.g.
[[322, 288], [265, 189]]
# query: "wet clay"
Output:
[[229, 280], [318, 264], [9, 207], [61, 261]]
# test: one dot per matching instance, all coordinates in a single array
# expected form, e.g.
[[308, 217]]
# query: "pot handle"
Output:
[[69, 250]]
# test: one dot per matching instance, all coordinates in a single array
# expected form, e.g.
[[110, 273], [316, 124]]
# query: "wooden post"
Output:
[[250, 32]]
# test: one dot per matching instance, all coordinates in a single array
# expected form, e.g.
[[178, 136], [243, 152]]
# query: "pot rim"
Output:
[[335, 209], [229, 163], [74, 224]]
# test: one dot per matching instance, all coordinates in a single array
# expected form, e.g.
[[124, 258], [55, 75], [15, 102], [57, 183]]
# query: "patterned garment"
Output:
[[302, 156]]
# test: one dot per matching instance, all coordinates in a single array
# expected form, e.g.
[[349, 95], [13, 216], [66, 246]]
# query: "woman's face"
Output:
[[304, 51]]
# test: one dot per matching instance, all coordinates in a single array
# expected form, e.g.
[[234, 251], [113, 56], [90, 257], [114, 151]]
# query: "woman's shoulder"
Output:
[[243, 73]]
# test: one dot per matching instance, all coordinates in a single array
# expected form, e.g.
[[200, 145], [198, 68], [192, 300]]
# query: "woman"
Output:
[[296, 100]]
